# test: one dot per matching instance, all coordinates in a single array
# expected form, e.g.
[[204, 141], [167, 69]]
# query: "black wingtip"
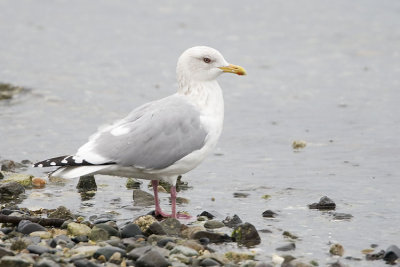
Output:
[[63, 161]]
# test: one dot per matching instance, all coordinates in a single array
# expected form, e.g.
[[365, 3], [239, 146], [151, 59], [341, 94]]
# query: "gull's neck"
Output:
[[206, 95]]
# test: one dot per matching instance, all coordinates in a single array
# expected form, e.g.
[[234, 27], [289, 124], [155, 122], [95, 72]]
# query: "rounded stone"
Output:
[[246, 234], [131, 230], [78, 229], [107, 252], [212, 224], [152, 259], [98, 234]]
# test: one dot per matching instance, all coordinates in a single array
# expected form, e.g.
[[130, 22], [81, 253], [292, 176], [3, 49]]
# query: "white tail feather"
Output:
[[73, 172]]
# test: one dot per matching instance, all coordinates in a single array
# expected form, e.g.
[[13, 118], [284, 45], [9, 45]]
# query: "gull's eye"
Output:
[[207, 60]]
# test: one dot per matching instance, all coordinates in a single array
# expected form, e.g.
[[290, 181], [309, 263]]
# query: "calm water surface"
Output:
[[320, 71]]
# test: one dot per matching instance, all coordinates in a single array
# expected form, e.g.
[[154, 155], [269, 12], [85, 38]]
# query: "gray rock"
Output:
[[232, 221], [1, 175], [213, 224], [325, 203], [16, 261], [37, 249], [136, 253], [155, 229], [11, 190], [110, 230], [85, 263], [26, 227], [132, 183], [142, 198], [5, 252], [207, 214], [46, 263], [152, 259], [78, 229], [171, 226], [161, 243], [212, 237], [189, 252], [86, 183], [246, 234], [107, 252], [63, 239], [392, 254], [209, 262], [98, 234], [131, 230], [240, 195], [288, 247]]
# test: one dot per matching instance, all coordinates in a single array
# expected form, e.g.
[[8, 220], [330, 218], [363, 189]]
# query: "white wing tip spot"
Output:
[[120, 131], [52, 163], [40, 165]]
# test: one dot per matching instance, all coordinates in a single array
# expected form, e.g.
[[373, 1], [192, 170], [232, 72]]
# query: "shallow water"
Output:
[[320, 71]]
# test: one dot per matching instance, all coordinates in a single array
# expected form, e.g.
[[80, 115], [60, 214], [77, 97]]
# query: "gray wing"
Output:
[[154, 136]]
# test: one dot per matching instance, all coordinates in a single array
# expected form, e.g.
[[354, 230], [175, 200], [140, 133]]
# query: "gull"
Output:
[[162, 139]]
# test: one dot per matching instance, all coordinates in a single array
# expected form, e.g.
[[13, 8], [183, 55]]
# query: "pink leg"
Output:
[[158, 211]]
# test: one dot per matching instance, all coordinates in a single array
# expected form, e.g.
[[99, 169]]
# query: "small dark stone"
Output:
[[155, 229], [6, 211], [212, 237], [337, 264], [269, 214], [26, 227], [350, 258], [16, 261], [108, 228], [142, 198], [11, 190], [289, 235], [136, 253], [290, 246], [204, 241], [107, 252], [325, 203], [37, 249], [171, 226], [207, 214], [246, 234], [240, 195], [152, 259], [5, 252], [130, 230], [392, 254], [6, 230], [85, 263], [161, 243], [1, 175], [10, 165], [80, 238], [86, 183], [232, 221], [265, 231], [209, 262], [341, 216]]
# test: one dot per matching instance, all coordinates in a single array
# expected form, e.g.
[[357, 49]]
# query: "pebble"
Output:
[[131, 230], [78, 229], [11, 190], [61, 213], [212, 237], [207, 214], [288, 247], [98, 234], [171, 226], [336, 249], [189, 252], [26, 227], [85, 250], [46, 263], [86, 183], [341, 216], [5, 252], [107, 252], [209, 262], [38, 182], [85, 263], [142, 198], [108, 228], [213, 224], [41, 234], [37, 249], [155, 229], [132, 183], [246, 234], [16, 261], [269, 214], [152, 258], [392, 254], [232, 221], [325, 203], [240, 195]]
